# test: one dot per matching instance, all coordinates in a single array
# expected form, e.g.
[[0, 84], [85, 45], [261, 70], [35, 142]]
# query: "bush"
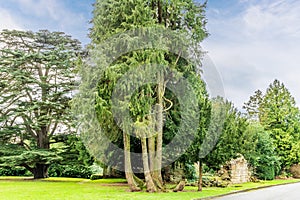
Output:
[[190, 172], [295, 171], [265, 172], [213, 181], [14, 171], [72, 171], [264, 160], [96, 176], [96, 169]]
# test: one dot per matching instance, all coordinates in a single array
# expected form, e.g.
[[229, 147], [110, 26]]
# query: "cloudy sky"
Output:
[[251, 42]]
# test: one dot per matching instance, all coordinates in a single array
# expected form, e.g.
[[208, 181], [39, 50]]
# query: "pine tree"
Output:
[[151, 19], [279, 115]]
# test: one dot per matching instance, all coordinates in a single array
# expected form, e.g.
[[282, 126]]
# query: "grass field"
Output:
[[14, 188]]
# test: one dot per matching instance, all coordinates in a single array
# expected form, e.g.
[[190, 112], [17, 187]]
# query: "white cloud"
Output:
[[54, 15], [41, 8], [7, 21], [278, 19], [53, 10], [255, 46]]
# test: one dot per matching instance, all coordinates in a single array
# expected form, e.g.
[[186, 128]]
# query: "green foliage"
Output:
[[265, 172], [96, 177], [253, 105], [73, 171], [14, 171], [37, 79], [31, 158], [72, 150], [233, 140], [153, 20], [264, 159], [112, 17], [278, 110], [278, 114], [76, 161], [190, 172]]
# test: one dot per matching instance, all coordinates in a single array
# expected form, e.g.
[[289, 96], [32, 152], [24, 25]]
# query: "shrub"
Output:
[[72, 171], [214, 181], [265, 172], [264, 160], [96, 176], [295, 171], [14, 171]]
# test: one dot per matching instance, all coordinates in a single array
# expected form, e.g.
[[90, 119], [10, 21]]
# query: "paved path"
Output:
[[283, 192]]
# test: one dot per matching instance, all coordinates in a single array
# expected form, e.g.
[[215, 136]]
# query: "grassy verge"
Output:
[[77, 189]]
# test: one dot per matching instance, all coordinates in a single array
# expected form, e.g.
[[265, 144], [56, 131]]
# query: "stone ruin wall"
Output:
[[239, 172]]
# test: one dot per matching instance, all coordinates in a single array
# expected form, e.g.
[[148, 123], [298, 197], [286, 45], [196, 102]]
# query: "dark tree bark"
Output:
[[128, 170], [200, 176], [40, 171]]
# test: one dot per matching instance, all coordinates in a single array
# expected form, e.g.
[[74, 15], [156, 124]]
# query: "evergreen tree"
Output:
[[37, 77], [279, 115], [263, 159], [253, 105], [116, 17], [234, 138]]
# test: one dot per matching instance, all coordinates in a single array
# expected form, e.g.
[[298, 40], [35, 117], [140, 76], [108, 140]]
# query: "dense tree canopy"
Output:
[[151, 103], [37, 79], [234, 138], [278, 114]]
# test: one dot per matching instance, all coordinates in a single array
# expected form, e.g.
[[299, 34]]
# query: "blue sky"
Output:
[[251, 42]]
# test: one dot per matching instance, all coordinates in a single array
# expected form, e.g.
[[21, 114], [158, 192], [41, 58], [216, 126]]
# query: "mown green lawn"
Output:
[[79, 189]]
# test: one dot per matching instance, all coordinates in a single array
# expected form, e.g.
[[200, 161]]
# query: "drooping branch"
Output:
[[171, 104]]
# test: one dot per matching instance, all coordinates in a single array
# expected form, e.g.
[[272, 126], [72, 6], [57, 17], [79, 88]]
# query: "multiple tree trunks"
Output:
[[151, 147], [178, 16]]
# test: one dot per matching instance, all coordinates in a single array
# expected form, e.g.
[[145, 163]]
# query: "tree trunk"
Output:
[[159, 127], [200, 176], [152, 153], [128, 170], [105, 172], [159, 121], [40, 171], [155, 172], [149, 181], [180, 186]]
